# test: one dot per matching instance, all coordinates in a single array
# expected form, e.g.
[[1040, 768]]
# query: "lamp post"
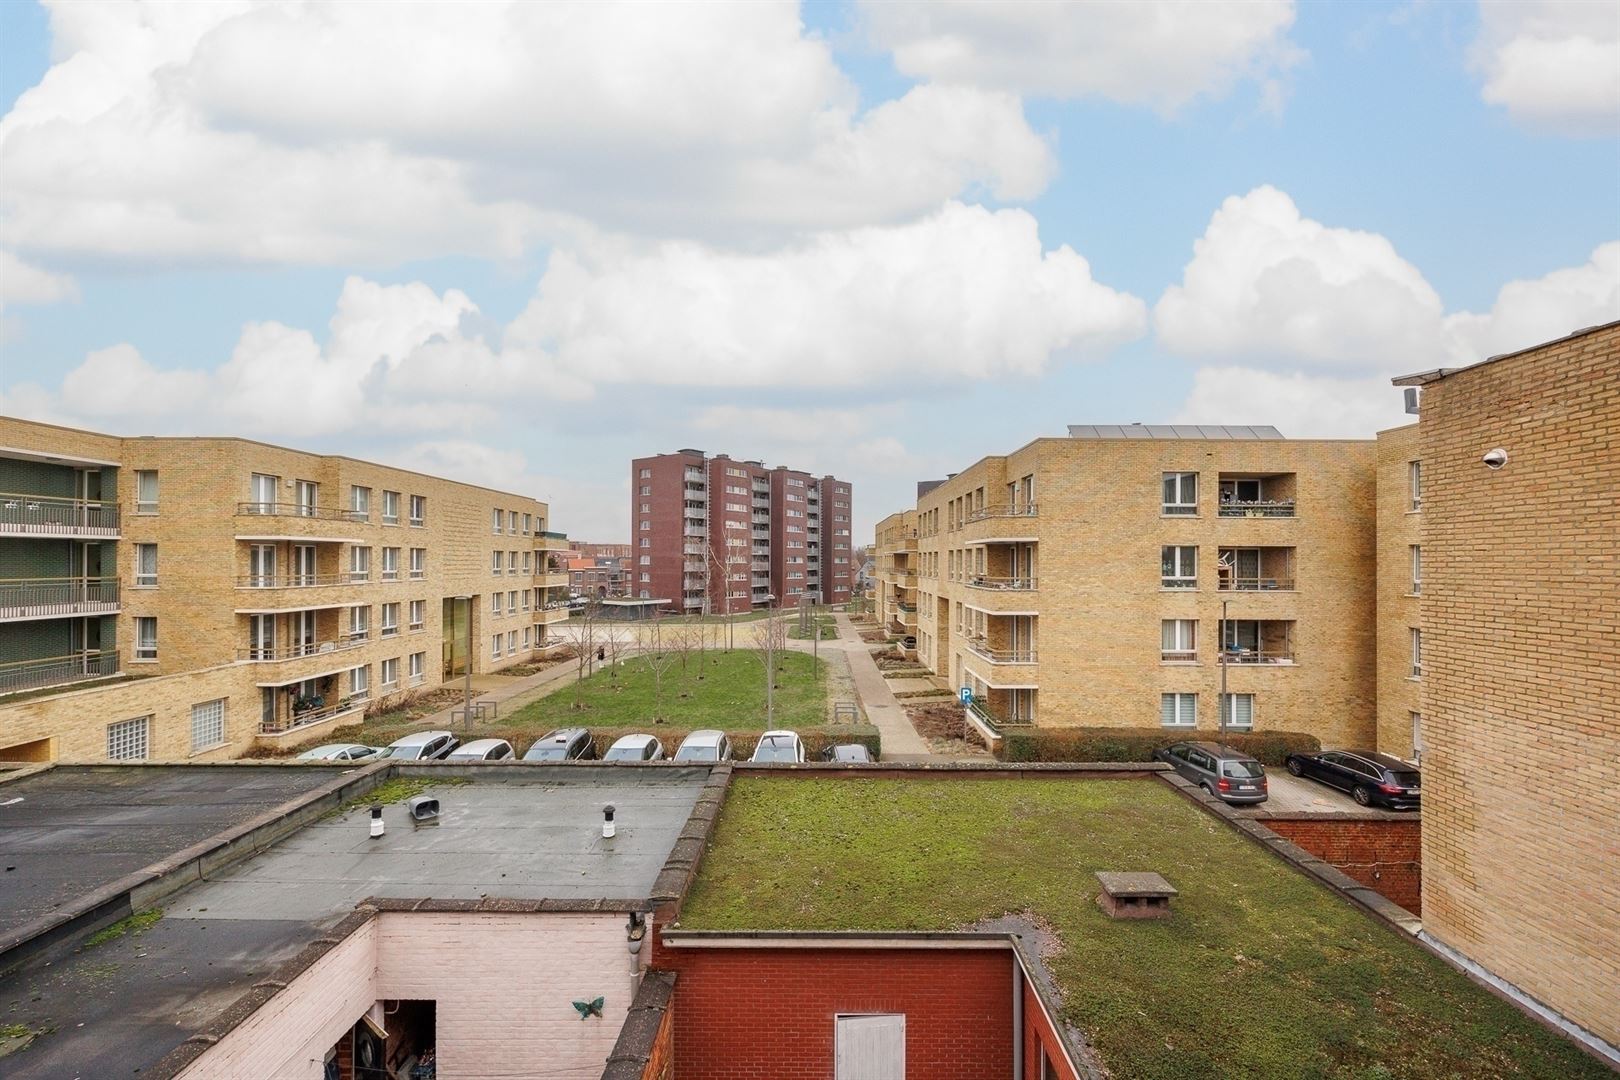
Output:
[[1220, 704], [466, 703]]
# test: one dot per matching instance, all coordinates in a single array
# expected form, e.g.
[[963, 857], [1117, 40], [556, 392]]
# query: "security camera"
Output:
[[1495, 459]]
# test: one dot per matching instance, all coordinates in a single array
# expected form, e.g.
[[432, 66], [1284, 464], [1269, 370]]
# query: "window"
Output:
[[418, 614], [511, 642], [1239, 711], [263, 488], [418, 509], [359, 622], [528, 523], [1417, 653], [126, 740], [146, 639], [868, 1045], [308, 493], [207, 725], [1178, 710], [1414, 483], [645, 526], [418, 562], [526, 634], [146, 491], [494, 603], [1178, 640], [390, 564], [359, 564], [1180, 493], [527, 562], [1178, 567], [417, 667], [390, 513], [497, 562], [360, 502], [646, 474], [145, 564], [646, 577], [495, 646], [1417, 736], [511, 602], [360, 682], [646, 560], [1417, 569], [498, 516], [390, 620], [645, 490], [390, 673]]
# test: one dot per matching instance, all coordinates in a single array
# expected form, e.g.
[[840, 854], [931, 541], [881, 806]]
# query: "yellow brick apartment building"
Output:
[[168, 598], [1113, 577]]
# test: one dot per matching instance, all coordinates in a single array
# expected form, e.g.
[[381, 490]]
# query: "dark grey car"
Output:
[[1224, 772]]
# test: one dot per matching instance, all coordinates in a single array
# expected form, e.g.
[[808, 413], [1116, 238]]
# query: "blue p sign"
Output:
[[966, 694]]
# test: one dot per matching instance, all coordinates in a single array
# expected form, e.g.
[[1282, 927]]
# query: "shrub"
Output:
[[1139, 744], [742, 742]]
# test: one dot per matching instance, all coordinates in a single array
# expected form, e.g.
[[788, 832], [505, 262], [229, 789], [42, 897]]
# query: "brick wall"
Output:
[[1039, 1036], [1521, 764], [768, 1014], [1399, 529], [1384, 855]]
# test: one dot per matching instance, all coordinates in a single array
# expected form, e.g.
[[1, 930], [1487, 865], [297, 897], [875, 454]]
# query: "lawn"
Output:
[[1259, 972], [729, 696]]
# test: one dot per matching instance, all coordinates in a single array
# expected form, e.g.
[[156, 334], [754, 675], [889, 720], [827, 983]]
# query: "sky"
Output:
[[521, 244]]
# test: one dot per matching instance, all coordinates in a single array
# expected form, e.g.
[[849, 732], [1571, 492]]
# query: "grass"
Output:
[[133, 925], [1259, 971], [730, 696], [824, 623]]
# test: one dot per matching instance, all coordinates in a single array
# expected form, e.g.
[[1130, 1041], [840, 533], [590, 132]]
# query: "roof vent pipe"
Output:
[[608, 827], [376, 822]]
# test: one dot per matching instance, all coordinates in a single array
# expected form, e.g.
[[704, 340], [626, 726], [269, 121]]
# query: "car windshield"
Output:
[[697, 753], [1243, 770], [623, 753], [547, 753], [775, 750], [410, 753], [1406, 779]]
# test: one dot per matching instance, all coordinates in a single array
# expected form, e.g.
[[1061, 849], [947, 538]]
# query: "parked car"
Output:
[[340, 751], [482, 750], [1371, 778], [422, 746], [564, 744], [1222, 771], [848, 754], [635, 748], [705, 745], [779, 746]]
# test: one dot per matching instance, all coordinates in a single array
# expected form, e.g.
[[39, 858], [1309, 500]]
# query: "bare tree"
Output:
[[770, 641], [683, 642], [658, 658], [614, 647], [585, 646]]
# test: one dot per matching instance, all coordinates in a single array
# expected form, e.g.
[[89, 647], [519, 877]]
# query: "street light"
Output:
[[1220, 705], [466, 703]]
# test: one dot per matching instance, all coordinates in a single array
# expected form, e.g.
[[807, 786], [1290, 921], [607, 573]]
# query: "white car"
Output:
[[705, 745], [340, 751], [482, 750], [422, 746], [635, 748], [779, 746]]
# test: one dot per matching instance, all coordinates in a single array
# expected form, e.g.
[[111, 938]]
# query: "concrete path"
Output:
[[900, 740], [509, 693]]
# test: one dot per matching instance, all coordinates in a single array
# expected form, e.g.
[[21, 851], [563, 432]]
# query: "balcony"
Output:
[[52, 671], [1000, 584], [1237, 508], [1002, 525], [980, 647], [52, 598], [906, 614], [694, 530], [300, 719], [296, 581], [1270, 496], [298, 650], [692, 549], [1256, 641], [43, 516], [550, 541], [300, 510]]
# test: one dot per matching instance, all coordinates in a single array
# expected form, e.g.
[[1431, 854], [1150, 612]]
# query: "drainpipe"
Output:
[[1018, 1017]]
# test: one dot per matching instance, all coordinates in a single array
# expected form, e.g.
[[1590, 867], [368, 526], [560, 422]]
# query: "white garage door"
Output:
[[871, 1047]]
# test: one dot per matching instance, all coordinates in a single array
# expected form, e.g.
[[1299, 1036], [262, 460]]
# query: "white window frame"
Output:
[[146, 491], [390, 666], [146, 644], [497, 563], [360, 502], [495, 646], [129, 740], [418, 614], [497, 520], [390, 507], [207, 725], [1414, 486], [390, 564], [418, 510], [145, 578], [389, 625], [1417, 569], [360, 621], [1183, 710], [1179, 482], [418, 563], [360, 682], [1240, 710], [1184, 580], [416, 668], [1178, 641], [1417, 653], [261, 485]]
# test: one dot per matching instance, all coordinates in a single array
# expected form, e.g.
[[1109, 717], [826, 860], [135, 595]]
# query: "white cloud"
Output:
[[1529, 312], [21, 283], [963, 293], [1303, 405], [336, 133], [1267, 282], [1554, 64], [1158, 53]]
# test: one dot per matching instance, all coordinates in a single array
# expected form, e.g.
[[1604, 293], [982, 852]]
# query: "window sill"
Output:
[[1180, 663], [1178, 588], [143, 588], [143, 659], [1413, 595], [1414, 678]]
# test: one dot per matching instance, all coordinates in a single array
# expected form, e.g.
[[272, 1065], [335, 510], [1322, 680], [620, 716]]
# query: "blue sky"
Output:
[[1363, 182]]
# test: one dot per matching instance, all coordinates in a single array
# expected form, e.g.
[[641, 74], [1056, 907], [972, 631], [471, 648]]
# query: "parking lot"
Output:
[[1296, 795]]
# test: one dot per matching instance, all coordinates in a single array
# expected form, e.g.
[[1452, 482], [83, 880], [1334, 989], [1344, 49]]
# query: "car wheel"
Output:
[[1296, 767], [1207, 791], [1362, 796]]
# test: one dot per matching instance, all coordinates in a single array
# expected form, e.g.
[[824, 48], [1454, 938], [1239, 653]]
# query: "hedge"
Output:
[[815, 739], [1139, 744]]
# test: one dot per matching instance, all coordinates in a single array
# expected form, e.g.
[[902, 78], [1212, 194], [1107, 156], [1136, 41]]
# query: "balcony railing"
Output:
[[985, 513], [33, 598], [56, 671], [1019, 584], [979, 647], [291, 581], [1267, 508], [1179, 656], [30, 515], [281, 509], [298, 649], [313, 715], [1256, 584], [1256, 656]]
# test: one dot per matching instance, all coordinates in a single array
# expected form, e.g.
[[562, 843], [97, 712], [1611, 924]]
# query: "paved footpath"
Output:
[[883, 710], [507, 692]]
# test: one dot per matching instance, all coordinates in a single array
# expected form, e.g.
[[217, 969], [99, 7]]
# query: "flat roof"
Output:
[[70, 830], [1424, 378], [1173, 431], [510, 831], [1259, 969]]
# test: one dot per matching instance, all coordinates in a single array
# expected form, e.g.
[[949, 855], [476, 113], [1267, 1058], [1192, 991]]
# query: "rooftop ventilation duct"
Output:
[[423, 809]]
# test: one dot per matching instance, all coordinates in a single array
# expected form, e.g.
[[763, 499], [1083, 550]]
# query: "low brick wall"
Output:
[[1385, 854]]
